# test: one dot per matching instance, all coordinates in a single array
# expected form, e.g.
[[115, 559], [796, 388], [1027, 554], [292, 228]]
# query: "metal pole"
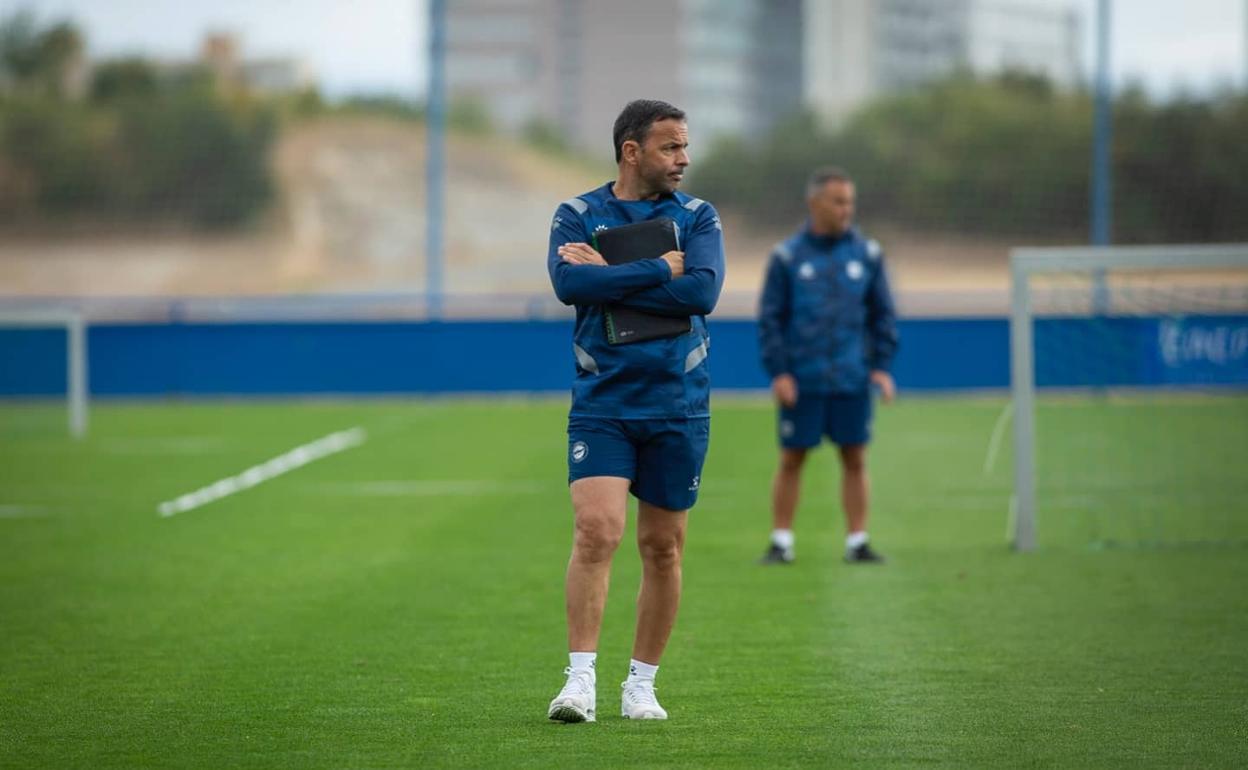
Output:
[[1102, 138], [76, 352], [1022, 386], [435, 159]]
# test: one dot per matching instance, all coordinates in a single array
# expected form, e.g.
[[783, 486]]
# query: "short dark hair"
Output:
[[635, 120], [824, 174]]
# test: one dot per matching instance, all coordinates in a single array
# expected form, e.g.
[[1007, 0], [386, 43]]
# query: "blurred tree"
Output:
[[128, 78], [147, 146], [469, 116], [19, 45], [37, 59], [389, 106], [1005, 156], [55, 153], [545, 136]]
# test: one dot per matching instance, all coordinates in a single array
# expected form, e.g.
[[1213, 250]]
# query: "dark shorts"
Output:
[[845, 418], [662, 458]]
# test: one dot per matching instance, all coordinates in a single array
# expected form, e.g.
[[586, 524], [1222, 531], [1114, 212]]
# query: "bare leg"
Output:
[[599, 504], [786, 487], [661, 541], [855, 486]]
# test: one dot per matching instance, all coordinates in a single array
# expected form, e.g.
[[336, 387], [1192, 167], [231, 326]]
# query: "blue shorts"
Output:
[[662, 458], [845, 418]]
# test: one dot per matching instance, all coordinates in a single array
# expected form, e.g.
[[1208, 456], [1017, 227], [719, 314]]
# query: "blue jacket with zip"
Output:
[[826, 314], [654, 379]]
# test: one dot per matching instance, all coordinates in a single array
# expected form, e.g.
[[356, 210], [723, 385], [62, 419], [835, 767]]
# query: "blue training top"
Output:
[[654, 379], [826, 313]]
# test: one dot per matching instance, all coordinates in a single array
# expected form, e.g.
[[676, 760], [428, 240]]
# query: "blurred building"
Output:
[[220, 51], [736, 66], [855, 50], [733, 65]]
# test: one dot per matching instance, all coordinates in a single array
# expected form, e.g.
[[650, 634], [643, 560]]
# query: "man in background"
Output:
[[640, 416], [828, 333]]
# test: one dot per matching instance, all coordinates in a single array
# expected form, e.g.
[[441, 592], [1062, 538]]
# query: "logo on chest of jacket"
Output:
[[806, 271], [854, 270]]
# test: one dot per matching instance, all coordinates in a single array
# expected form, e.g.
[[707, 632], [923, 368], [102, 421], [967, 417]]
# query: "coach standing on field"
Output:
[[640, 417], [828, 333]]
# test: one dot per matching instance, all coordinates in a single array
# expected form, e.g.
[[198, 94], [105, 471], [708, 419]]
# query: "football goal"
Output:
[[1129, 385], [74, 329]]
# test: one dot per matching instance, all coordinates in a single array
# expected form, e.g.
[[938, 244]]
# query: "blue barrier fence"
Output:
[[172, 359]]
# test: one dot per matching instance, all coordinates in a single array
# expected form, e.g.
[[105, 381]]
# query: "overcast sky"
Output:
[[381, 45]]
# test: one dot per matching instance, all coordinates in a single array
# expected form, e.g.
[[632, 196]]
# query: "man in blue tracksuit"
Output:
[[640, 417], [828, 334]]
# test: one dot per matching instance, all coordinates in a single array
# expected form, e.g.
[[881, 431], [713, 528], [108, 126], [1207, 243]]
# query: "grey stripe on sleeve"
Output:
[[578, 205], [584, 360], [695, 357]]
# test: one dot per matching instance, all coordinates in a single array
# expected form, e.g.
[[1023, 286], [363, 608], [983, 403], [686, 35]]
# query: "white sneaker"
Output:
[[575, 702], [638, 701]]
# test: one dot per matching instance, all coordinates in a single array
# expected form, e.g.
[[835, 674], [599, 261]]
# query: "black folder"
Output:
[[627, 243]]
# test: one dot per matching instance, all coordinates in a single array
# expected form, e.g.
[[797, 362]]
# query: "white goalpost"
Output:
[[75, 326], [1091, 297]]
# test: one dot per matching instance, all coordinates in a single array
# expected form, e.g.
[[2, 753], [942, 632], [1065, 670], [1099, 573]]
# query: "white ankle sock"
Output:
[[782, 538], [638, 670], [579, 660], [856, 539]]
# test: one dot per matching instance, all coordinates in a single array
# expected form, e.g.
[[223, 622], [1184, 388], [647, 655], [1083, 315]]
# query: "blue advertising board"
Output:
[[209, 359]]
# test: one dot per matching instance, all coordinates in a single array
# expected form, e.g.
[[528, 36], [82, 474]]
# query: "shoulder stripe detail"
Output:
[[782, 253], [873, 248], [694, 204], [576, 204]]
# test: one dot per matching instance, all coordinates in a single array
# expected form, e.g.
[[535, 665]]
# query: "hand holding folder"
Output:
[[641, 240]]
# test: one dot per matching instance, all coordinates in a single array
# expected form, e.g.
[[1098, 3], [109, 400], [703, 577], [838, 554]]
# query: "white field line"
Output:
[[180, 445], [257, 474], [436, 488], [998, 432], [22, 512]]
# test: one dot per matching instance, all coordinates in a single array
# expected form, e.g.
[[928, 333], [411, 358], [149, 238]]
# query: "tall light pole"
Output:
[[1102, 138], [435, 160]]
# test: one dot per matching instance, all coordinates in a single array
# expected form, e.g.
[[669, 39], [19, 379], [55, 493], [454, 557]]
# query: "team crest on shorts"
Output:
[[580, 450]]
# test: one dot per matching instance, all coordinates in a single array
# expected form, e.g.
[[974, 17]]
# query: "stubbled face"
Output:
[[663, 157], [832, 207]]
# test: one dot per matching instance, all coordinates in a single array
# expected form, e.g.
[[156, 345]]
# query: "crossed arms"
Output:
[[675, 284]]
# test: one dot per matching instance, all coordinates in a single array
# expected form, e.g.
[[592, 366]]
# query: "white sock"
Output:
[[582, 660], [638, 670], [782, 538], [856, 539]]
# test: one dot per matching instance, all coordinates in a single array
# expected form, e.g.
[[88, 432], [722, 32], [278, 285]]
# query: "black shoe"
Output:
[[777, 555], [863, 555]]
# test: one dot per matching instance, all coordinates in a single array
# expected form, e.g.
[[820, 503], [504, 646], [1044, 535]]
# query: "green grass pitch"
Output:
[[400, 604]]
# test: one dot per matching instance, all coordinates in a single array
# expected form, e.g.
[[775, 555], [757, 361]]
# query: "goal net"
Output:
[[1130, 395]]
